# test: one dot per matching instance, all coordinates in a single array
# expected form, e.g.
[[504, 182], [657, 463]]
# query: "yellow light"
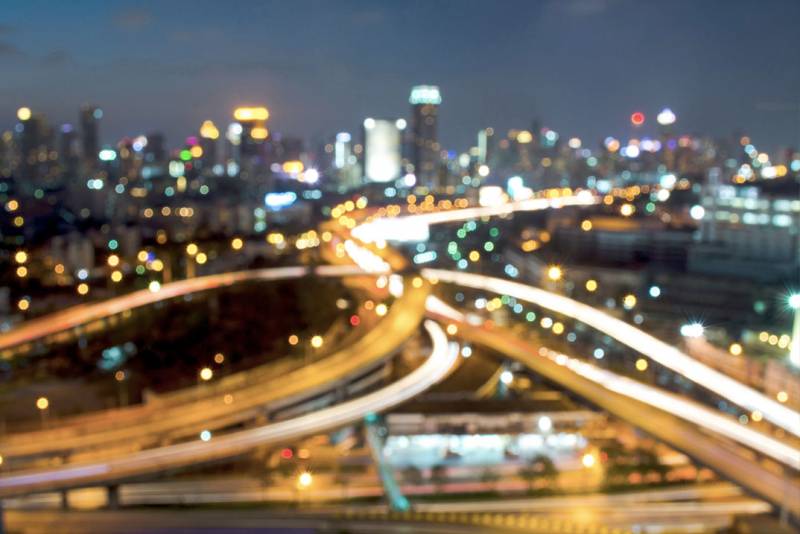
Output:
[[381, 309], [588, 460], [154, 286], [219, 357], [113, 260], [18, 221], [22, 271], [251, 114], [83, 288], [305, 479], [773, 339], [157, 265], [201, 258], [530, 245], [735, 349], [23, 304], [237, 243], [629, 302], [228, 398], [474, 256], [259, 133], [524, 137], [12, 205], [626, 210], [24, 113], [586, 225], [206, 374], [782, 396], [293, 340], [416, 282], [554, 273], [756, 416], [591, 285], [142, 256], [196, 152], [293, 167], [558, 328], [784, 341], [641, 364], [59, 268], [209, 130], [452, 329], [763, 337], [191, 250], [316, 342], [116, 276], [119, 376], [21, 257]]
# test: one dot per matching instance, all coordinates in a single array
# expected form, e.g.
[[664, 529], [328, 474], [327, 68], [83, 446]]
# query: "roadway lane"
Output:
[[188, 419], [437, 366], [85, 313], [682, 435], [633, 337]]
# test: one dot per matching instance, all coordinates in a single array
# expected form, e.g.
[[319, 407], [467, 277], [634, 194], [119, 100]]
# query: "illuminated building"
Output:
[[68, 150], [90, 136], [424, 100], [382, 149], [34, 137], [209, 136], [252, 134]]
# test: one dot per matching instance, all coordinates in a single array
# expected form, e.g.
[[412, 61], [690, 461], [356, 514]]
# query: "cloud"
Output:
[[133, 19]]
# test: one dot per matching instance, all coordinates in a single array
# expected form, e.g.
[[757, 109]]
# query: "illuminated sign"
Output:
[[278, 201], [425, 94]]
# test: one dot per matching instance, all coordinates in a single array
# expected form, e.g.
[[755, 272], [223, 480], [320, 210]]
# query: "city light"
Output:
[[42, 403], [555, 273], [316, 341], [154, 286], [24, 114], [205, 435], [206, 373], [304, 480], [692, 330], [506, 377], [637, 118], [245, 114], [665, 117], [588, 460]]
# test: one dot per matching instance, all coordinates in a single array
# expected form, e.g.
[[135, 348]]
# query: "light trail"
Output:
[[629, 335], [435, 368]]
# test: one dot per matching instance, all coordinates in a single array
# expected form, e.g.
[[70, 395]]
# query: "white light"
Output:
[[506, 377], [409, 180], [794, 301], [692, 330], [154, 286], [107, 155], [401, 124], [205, 435], [545, 424], [655, 291], [369, 123], [483, 170], [599, 353], [466, 351], [311, 176], [697, 212], [666, 117]]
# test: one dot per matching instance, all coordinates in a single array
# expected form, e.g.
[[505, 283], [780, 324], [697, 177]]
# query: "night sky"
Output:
[[581, 66]]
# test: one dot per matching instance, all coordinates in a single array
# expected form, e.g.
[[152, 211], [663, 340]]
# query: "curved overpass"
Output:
[[149, 427], [435, 368]]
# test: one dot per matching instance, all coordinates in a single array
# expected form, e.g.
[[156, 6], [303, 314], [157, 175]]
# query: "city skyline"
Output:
[[319, 77]]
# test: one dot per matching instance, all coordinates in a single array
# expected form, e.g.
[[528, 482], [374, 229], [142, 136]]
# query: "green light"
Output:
[[650, 207], [186, 155], [488, 246], [530, 317], [461, 233], [113, 244], [140, 269], [494, 232]]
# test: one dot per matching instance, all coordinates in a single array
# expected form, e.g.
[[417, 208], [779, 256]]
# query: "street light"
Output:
[[206, 373], [794, 352], [554, 273], [43, 405], [304, 480]]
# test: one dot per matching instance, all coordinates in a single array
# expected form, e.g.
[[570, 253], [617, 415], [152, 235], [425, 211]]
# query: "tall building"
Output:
[[425, 100], [90, 134], [209, 134], [34, 141], [68, 150], [252, 135], [383, 149]]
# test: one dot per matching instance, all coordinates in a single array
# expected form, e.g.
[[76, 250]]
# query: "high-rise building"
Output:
[[34, 141], [252, 135], [68, 150], [209, 135], [383, 149], [90, 134], [425, 100]]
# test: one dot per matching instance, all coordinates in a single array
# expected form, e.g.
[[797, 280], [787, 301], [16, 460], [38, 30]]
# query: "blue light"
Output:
[[278, 201]]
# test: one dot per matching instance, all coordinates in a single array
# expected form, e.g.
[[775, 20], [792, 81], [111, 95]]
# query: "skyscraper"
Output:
[[90, 137], [383, 149], [424, 100]]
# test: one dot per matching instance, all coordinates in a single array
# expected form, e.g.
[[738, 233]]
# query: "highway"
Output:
[[633, 337], [76, 316], [150, 427], [440, 362], [683, 435]]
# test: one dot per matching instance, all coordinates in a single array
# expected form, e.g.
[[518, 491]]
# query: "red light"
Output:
[[637, 119], [355, 320], [286, 454]]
